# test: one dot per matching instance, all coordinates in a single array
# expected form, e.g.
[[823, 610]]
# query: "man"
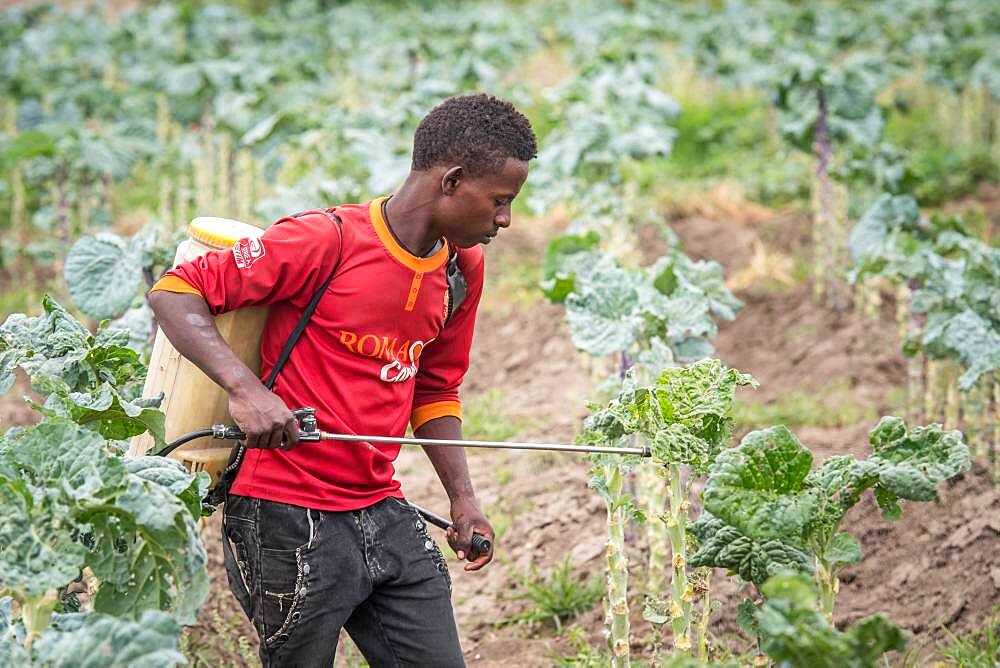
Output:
[[320, 537]]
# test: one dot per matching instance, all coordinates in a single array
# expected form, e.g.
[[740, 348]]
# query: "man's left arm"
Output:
[[437, 413], [452, 469]]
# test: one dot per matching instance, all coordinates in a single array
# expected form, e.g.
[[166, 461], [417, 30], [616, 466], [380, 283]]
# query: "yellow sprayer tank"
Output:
[[191, 399]]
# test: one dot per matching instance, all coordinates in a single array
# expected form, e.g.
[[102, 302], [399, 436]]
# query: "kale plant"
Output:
[[767, 511], [93, 379], [76, 516], [685, 417]]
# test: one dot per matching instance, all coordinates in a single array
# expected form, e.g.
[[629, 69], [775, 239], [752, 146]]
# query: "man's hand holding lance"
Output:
[[258, 412]]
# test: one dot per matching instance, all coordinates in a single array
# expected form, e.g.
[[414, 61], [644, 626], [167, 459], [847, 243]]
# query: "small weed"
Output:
[[556, 597], [500, 521], [586, 656], [485, 417], [980, 647], [547, 460], [505, 512], [503, 475]]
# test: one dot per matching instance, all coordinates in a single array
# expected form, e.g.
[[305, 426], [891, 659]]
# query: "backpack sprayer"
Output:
[[309, 433]]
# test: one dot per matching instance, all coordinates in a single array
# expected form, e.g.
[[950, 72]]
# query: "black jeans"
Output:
[[301, 575]]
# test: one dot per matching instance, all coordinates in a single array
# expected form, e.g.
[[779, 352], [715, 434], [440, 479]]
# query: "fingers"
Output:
[[274, 438], [455, 542], [482, 559], [283, 432], [463, 540], [252, 440], [479, 562], [290, 434], [460, 541], [265, 420], [281, 436]]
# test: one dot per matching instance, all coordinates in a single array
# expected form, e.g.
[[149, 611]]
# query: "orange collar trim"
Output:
[[405, 257]]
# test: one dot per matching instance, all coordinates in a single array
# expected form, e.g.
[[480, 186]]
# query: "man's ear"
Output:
[[451, 179]]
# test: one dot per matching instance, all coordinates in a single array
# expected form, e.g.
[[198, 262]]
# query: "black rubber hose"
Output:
[[170, 447]]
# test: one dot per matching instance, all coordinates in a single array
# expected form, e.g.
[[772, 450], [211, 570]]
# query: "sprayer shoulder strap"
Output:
[[310, 307]]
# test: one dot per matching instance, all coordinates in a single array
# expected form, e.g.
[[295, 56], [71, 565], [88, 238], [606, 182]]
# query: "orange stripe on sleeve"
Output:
[[424, 414], [175, 284]]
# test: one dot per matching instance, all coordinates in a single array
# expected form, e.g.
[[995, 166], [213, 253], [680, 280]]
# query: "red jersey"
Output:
[[375, 355]]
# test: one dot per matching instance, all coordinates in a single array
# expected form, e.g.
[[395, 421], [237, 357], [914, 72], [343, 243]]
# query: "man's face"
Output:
[[476, 209]]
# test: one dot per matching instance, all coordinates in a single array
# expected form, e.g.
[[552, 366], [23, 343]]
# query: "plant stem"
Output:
[[84, 206], [828, 583], [773, 135], [972, 419], [654, 493], [18, 216], [827, 217], [202, 183], [868, 299], [681, 593], [36, 613], [166, 199], [873, 306], [244, 184], [931, 399], [617, 571], [657, 659], [205, 167], [105, 198], [163, 125], [223, 169], [706, 612], [62, 205], [951, 407], [182, 202], [17, 195], [907, 326]]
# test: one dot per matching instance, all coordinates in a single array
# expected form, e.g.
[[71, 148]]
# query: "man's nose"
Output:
[[502, 219]]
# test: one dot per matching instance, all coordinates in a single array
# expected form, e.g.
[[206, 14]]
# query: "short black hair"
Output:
[[479, 132]]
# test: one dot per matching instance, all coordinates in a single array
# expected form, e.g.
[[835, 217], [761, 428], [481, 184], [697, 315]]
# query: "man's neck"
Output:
[[408, 216]]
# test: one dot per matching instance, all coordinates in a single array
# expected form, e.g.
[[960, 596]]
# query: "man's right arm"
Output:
[[187, 322]]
